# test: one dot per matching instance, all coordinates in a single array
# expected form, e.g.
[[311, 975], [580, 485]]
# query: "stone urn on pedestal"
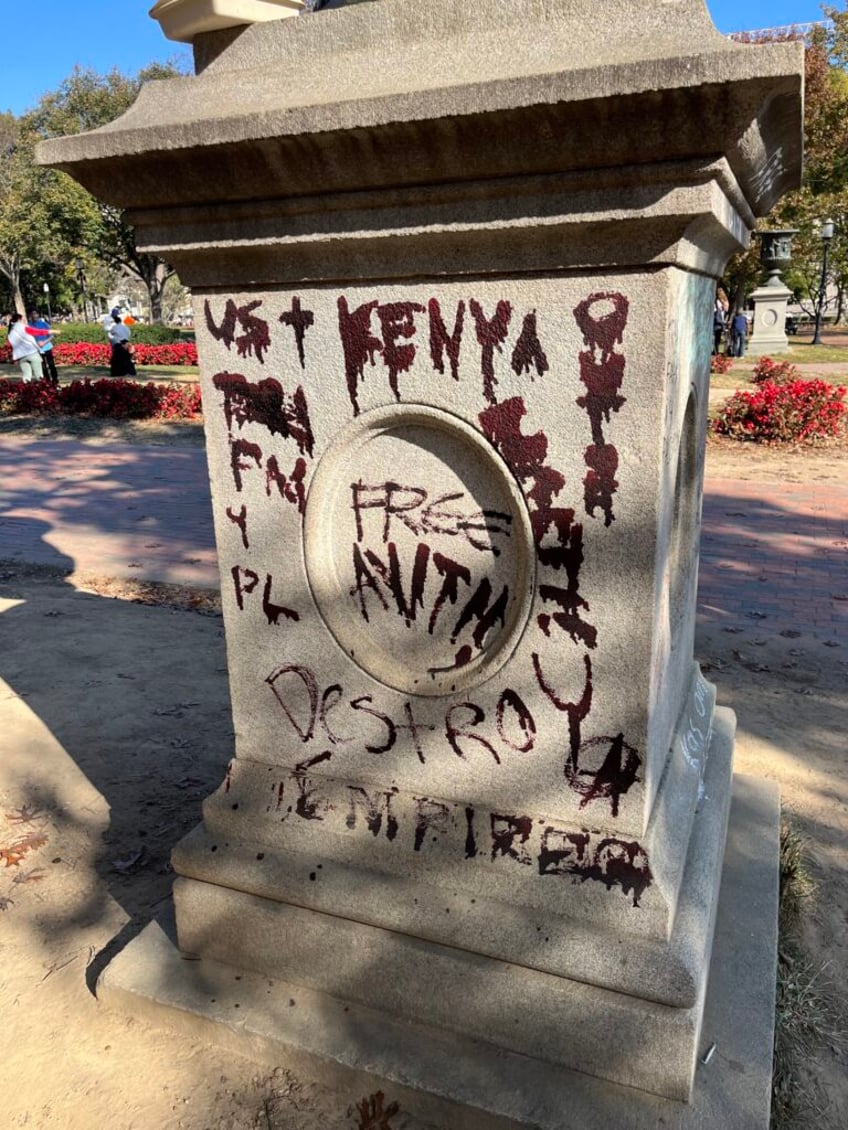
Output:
[[769, 332]]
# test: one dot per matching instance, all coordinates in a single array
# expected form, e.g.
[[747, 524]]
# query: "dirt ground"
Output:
[[115, 725]]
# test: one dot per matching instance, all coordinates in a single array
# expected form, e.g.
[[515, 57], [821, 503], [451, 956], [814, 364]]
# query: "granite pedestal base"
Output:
[[465, 1083]]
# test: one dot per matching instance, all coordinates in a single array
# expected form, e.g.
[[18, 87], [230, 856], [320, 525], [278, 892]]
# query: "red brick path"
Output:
[[771, 552], [776, 552]]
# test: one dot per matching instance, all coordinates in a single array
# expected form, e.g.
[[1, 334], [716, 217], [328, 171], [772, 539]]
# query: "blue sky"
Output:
[[43, 44]]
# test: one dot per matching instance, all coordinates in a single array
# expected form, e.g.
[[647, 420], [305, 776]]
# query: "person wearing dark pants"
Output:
[[44, 341], [738, 334]]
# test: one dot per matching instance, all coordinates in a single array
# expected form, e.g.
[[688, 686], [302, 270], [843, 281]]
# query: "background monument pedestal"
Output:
[[454, 311], [770, 300], [769, 332]]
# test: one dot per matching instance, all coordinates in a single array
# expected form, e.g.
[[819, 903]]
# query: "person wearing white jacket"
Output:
[[24, 349]]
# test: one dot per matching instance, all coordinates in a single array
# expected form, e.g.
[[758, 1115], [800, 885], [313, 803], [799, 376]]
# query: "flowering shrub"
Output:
[[116, 399], [781, 372], [720, 363], [98, 353], [800, 411], [32, 398], [179, 402]]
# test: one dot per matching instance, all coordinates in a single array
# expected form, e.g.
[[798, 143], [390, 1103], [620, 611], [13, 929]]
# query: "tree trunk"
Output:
[[156, 288], [17, 296]]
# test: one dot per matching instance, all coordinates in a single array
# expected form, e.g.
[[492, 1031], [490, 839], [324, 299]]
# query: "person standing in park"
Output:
[[108, 320], [719, 317], [44, 341], [738, 334], [22, 340], [121, 364]]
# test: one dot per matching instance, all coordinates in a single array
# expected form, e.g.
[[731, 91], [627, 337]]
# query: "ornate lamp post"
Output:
[[826, 237], [81, 280]]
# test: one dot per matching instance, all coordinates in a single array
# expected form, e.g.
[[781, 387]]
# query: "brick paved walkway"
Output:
[[776, 552]]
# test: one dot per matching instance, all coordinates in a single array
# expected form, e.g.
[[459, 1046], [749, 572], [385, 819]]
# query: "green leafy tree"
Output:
[[42, 217], [86, 101], [824, 194]]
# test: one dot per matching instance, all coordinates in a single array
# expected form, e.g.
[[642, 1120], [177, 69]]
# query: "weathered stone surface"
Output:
[[395, 93], [464, 1085], [453, 278]]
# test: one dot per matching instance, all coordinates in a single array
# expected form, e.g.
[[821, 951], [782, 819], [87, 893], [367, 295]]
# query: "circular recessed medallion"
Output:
[[419, 550]]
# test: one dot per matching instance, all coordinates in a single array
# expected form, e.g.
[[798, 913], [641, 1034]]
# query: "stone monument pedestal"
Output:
[[768, 335], [459, 1084], [453, 272]]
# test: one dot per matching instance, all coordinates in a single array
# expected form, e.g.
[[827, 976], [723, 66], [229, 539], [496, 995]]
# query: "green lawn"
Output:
[[805, 353]]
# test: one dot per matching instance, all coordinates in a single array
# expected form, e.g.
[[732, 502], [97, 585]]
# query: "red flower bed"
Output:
[[720, 363], [99, 353], [799, 412], [115, 398], [781, 372]]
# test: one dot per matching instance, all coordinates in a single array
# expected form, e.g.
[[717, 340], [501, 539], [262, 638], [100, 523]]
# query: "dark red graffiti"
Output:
[[482, 613], [526, 722], [389, 575], [619, 863], [602, 372], [432, 815], [255, 339], [272, 611], [412, 507], [330, 699], [558, 538], [240, 520], [325, 755], [363, 703], [453, 732], [524, 454], [528, 349], [310, 805], [266, 403], [563, 852], [576, 712], [358, 343], [309, 683], [612, 779], [397, 326], [452, 573], [600, 483], [299, 320], [240, 451], [509, 837], [463, 657], [374, 809], [396, 323], [384, 578], [292, 486], [441, 342], [244, 582], [614, 862], [491, 334], [470, 838]]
